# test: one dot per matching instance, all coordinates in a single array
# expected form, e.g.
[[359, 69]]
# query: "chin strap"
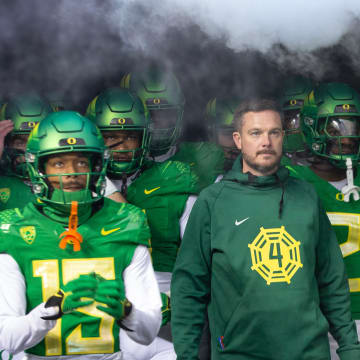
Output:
[[71, 236], [350, 188]]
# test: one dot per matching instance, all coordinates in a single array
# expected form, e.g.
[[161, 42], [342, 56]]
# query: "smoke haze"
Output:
[[73, 49]]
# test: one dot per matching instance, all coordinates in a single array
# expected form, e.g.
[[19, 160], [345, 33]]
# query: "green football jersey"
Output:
[[162, 190], [206, 160], [14, 193], [110, 237], [345, 219]]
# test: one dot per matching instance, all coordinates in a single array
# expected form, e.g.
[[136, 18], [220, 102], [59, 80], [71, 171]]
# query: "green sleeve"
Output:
[[334, 291], [190, 285], [139, 220]]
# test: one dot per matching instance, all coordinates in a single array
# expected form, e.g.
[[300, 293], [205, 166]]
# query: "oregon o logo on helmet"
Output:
[[346, 107], [71, 141], [157, 101], [339, 196], [31, 124], [293, 102], [121, 121]]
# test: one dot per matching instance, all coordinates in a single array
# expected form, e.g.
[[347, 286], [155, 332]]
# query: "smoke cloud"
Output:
[[73, 49]]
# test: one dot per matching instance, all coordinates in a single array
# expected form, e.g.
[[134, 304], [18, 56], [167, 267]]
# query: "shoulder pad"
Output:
[[115, 209], [171, 168]]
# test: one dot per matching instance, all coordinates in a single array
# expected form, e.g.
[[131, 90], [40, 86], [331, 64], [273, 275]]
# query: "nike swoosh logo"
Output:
[[108, 232], [237, 223], [147, 192]]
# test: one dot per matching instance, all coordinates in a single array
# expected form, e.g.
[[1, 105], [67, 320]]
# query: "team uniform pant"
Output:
[[160, 349]]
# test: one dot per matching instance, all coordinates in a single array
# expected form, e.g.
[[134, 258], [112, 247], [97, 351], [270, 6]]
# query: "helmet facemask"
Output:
[[93, 187], [13, 162], [13, 159], [340, 138], [127, 161], [224, 138], [165, 128], [294, 141], [161, 93]]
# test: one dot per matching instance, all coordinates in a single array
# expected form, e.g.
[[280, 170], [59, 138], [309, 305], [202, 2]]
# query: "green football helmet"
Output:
[[90, 110], [162, 95], [25, 111], [66, 132], [292, 99], [118, 109], [330, 121], [219, 116]]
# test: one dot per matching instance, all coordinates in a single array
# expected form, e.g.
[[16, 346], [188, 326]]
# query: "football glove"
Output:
[[76, 293], [165, 309], [111, 293]]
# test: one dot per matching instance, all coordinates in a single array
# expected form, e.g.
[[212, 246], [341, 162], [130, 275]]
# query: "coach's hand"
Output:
[[76, 293]]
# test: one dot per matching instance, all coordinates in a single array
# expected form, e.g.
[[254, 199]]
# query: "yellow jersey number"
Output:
[[49, 271], [352, 243]]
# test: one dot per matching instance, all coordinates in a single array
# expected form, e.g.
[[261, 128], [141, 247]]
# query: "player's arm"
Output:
[[190, 285], [185, 215], [165, 297], [18, 330], [334, 291], [113, 193], [142, 291]]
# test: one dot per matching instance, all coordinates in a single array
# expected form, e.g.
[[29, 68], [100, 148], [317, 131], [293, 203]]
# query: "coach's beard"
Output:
[[263, 169]]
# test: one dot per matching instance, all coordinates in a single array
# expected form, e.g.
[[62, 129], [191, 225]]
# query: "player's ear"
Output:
[[237, 139]]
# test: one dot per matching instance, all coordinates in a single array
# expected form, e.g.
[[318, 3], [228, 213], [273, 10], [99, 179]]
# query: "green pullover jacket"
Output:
[[260, 255]]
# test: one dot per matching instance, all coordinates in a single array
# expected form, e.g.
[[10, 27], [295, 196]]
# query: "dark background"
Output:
[[71, 53]]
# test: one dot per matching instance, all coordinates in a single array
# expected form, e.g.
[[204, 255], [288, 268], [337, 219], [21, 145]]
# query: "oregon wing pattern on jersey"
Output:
[[206, 159], [162, 191], [14, 193], [345, 219]]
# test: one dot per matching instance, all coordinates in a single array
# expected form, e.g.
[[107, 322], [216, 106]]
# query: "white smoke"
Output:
[[299, 25], [69, 46], [247, 24]]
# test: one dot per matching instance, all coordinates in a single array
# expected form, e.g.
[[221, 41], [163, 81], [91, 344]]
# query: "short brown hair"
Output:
[[255, 105]]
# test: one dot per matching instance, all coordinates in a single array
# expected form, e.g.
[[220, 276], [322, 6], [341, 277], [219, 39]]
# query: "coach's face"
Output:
[[260, 141]]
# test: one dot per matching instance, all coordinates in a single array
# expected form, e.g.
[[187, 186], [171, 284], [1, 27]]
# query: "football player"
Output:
[[292, 99], [74, 266], [163, 189], [219, 117], [330, 121], [161, 92], [17, 118]]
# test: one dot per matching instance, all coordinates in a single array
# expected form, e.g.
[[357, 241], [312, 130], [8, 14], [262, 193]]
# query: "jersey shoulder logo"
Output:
[[28, 233], [108, 232], [147, 192], [275, 255], [4, 195]]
